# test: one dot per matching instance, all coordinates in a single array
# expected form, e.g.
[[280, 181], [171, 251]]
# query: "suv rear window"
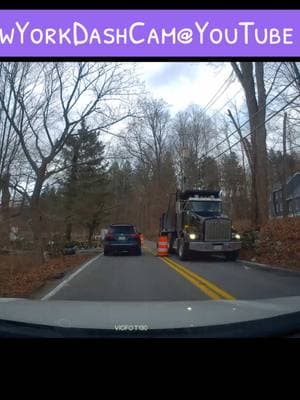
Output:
[[122, 229]]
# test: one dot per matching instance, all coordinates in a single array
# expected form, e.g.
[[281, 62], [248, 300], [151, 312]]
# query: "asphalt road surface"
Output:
[[150, 278]]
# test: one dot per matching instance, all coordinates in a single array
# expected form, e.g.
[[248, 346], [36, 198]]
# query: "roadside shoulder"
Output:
[[269, 267], [50, 284]]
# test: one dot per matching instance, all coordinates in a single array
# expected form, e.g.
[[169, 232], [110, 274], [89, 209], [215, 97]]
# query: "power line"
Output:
[[259, 110], [246, 122], [217, 112], [228, 101], [267, 120], [218, 94]]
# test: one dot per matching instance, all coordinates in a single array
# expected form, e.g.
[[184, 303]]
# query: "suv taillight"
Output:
[[108, 237], [134, 235]]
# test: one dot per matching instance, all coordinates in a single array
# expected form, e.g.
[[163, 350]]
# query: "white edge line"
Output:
[[58, 287]]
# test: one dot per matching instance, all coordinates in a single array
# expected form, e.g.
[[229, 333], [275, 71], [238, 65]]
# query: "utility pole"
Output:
[[185, 153]]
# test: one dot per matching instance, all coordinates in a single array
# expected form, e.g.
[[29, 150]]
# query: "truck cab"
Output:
[[195, 221]]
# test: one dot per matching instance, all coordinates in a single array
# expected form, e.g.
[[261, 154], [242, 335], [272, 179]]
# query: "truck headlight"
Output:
[[192, 236], [237, 236]]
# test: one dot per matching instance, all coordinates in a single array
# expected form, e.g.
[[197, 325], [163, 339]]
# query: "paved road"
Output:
[[149, 278]]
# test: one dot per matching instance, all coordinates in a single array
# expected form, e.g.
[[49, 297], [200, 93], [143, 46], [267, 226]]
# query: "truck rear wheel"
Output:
[[183, 250], [232, 255]]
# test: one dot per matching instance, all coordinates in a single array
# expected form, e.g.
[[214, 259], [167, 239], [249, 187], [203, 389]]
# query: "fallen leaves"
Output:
[[278, 244], [19, 276]]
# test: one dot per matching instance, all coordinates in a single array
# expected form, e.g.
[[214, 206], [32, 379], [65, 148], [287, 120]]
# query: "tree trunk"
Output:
[[252, 106], [5, 211], [297, 73], [68, 233], [36, 217], [256, 105], [254, 202], [71, 191], [37, 231], [250, 154], [91, 230], [262, 183], [284, 170]]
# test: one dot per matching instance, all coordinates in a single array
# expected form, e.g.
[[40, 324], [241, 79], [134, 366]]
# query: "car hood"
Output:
[[152, 315]]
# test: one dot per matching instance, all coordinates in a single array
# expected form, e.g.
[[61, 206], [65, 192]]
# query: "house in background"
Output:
[[293, 197]]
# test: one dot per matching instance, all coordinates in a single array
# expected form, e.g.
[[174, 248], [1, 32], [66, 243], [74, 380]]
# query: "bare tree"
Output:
[[9, 149], [51, 101], [193, 134], [147, 133], [146, 141], [251, 77]]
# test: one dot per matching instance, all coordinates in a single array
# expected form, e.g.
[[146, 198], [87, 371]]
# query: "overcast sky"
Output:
[[183, 83]]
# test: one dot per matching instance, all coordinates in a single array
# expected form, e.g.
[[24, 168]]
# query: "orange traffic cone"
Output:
[[162, 246], [142, 239]]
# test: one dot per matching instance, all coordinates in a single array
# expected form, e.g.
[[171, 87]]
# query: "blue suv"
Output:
[[122, 237]]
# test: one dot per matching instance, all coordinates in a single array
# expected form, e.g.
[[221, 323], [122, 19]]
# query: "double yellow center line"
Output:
[[210, 289]]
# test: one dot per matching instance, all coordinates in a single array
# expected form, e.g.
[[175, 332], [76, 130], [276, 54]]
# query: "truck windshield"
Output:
[[206, 208]]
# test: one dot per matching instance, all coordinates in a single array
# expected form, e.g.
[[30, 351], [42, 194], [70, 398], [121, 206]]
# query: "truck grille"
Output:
[[217, 230]]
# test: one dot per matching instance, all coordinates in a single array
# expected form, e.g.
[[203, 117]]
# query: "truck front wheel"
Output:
[[183, 250], [171, 246], [232, 255]]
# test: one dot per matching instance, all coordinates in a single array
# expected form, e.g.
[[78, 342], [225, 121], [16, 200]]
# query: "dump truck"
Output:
[[194, 221]]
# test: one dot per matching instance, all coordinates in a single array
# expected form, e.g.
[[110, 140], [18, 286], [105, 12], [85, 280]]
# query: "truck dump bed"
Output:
[[199, 193], [168, 222]]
